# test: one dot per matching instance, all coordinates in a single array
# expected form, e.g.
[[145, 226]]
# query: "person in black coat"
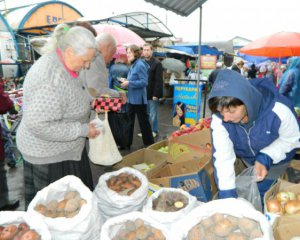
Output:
[[213, 75], [155, 86]]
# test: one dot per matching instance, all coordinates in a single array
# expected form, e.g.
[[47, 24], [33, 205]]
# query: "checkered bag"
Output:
[[113, 104]]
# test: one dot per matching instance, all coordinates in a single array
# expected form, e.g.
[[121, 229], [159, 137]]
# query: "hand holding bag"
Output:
[[113, 104], [103, 149]]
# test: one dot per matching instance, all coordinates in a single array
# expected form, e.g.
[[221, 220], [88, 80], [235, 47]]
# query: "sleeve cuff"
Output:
[[84, 130], [264, 159], [228, 193]]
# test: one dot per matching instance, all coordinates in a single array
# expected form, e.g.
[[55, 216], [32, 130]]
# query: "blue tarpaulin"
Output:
[[257, 60], [193, 49]]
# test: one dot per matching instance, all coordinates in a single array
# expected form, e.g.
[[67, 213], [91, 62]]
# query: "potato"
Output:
[[237, 236], [31, 235], [207, 222], [196, 233], [217, 217], [51, 214], [223, 228], [256, 233], [71, 214], [61, 206], [233, 220], [71, 195], [138, 222], [157, 234], [52, 206], [8, 232], [72, 205], [41, 209], [247, 225], [130, 226], [142, 232], [23, 226]]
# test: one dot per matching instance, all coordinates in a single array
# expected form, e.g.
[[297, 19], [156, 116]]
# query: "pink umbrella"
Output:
[[123, 36]]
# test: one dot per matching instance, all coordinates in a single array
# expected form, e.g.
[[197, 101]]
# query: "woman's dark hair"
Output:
[[87, 25], [223, 102], [137, 52]]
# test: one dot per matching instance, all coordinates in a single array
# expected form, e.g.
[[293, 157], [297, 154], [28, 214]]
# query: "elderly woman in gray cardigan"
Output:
[[54, 127]]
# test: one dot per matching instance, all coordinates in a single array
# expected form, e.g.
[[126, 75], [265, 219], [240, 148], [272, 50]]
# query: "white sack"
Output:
[[111, 203], [85, 225], [229, 206], [169, 218], [17, 217], [112, 226]]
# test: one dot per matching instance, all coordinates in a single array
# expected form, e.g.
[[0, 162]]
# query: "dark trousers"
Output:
[[141, 111], [3, 184]]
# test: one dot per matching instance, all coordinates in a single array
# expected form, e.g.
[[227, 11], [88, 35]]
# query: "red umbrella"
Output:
[[123, 36], [282, 44]]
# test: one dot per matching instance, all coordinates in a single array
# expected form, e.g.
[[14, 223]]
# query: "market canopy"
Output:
[[183, 8], [193, 49]]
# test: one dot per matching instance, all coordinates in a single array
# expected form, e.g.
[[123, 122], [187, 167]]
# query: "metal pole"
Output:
[[198, 69]]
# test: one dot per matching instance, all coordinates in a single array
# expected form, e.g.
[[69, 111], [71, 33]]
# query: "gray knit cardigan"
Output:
[[56, 113]]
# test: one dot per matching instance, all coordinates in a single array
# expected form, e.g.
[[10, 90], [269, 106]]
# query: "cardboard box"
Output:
[[158, 145], [191, 146], [190, 176], [147, 156], [280, 186], [286, 227]]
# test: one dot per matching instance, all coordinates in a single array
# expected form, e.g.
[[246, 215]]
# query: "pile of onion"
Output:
[[285, 202]]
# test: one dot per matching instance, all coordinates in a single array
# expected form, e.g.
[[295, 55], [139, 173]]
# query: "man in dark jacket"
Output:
[[5, 105], [155, 86], [213, 75]]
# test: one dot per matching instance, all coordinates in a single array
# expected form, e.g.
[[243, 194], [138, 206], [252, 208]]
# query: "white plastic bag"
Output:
[[169, 218], [17, 217], [229, 206], [103, 149], [111, 203], [113, 225], [86, 225], [246, 186]]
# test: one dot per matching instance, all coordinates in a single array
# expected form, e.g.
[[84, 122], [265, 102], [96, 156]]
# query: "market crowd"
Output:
[[253, 115]]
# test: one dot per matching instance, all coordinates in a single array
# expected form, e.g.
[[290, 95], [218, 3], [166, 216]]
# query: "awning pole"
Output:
[[198, 69]]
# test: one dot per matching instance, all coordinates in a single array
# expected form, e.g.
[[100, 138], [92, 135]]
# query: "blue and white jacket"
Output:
[[270, 137]]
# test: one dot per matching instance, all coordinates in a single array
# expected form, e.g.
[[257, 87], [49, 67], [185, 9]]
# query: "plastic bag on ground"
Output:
[[17, 217], [169, 218], [103, 149], [246, 186], [85, 225], [112, 226], [111, 203], [230, 206]]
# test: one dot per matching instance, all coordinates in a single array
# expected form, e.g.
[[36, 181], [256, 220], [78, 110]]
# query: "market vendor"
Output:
[[55, 123], [252, 121]]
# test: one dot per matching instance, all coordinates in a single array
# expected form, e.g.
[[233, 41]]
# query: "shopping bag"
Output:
[[103, 149], [113, 104], [120, 127], [246, 185]]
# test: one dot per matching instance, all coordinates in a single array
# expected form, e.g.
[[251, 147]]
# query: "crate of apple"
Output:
[[184, 129]]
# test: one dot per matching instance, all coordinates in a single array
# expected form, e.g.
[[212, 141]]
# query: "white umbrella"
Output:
[[173, 64]]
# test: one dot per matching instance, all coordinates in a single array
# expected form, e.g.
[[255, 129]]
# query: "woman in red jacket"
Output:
[[5, 105]]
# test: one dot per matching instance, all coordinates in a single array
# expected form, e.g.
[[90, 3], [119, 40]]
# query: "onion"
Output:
[[274, 206], [292, 206], [282, 197], [292, 196]]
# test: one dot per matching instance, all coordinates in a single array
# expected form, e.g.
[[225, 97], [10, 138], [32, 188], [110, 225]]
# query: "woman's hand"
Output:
[[93, 131], [123, 96], [124, 82], [261, 171]]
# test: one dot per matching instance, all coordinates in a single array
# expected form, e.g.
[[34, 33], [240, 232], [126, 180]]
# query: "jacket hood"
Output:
[[232, 84]]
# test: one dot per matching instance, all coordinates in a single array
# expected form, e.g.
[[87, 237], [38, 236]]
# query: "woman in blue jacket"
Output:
[[254, 122], [136, 82]]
